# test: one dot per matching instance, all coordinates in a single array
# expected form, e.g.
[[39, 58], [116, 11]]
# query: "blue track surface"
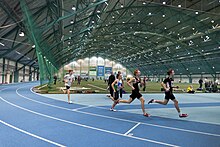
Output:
[[29, 119]]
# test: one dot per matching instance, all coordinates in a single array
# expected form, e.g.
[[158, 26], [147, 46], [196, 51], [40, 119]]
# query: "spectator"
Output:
[[110, 81], [200, 83], [121, 89], [144, 83], [79, 80], [55, 79], [190, 89]]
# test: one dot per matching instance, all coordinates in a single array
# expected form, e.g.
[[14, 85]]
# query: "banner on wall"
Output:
[[100, 71], [92, 71], [108, 70]]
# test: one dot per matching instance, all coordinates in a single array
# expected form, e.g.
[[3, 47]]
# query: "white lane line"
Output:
[[148, 124], [82, 108], [86, 126], [30, 134], [132, 128], [96, 86]]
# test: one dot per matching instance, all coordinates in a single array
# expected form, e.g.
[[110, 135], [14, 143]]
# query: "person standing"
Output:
[[144, 83], [167, 85], [110, 81], [79, 80], [121, 89], [200, 83], [116, 86], [55, 79], [68, 79]]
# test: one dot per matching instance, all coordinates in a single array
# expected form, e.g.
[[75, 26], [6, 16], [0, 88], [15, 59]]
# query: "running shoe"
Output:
[[70, 102], [146, 115], [111, 109], [151, 101], [183, 115]]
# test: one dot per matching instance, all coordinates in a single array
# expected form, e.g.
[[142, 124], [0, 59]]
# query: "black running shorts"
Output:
[[169, 95], [135, 94], [67, 87]]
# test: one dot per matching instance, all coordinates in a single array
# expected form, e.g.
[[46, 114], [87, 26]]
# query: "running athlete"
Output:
[[135, 91], [68, 79], [167, 85], [116, 86]]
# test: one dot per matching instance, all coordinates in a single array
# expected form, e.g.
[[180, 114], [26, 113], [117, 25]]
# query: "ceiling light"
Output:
[[74, 8], [132, 14], [70, 31], [2, 44], [212, 21], [151, 23], [139, 21], [150, 13], [33, 46], [178, 21], [71, 21], [98, 11], [164, 3], [122, 6], [113, 16], [163, 15], [179, 6], [196, 12], [193, 28], [21, 34], [144, 3], [165, 28]]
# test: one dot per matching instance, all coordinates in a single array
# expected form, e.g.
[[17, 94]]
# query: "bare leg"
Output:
[[142, 104], [126, 101], [68, 95], [115, 103], [111, 98], [164, 102], [64, 91], [176, 105]]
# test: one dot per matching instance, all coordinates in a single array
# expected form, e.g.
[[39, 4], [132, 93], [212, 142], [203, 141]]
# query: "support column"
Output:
[[16, 72], [30, 74], [38, 74], [3, 71], [190, 78], [181, 78], [34, 79], [80, 69], [24, 74], [89, 68]]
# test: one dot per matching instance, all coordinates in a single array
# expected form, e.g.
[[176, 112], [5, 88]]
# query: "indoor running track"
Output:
[[29, 119]]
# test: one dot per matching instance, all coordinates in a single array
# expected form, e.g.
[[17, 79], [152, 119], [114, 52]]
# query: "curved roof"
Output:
[[151, 35]]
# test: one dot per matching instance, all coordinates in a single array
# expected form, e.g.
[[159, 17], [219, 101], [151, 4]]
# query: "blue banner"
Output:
[[100, 71], [108, 70]]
